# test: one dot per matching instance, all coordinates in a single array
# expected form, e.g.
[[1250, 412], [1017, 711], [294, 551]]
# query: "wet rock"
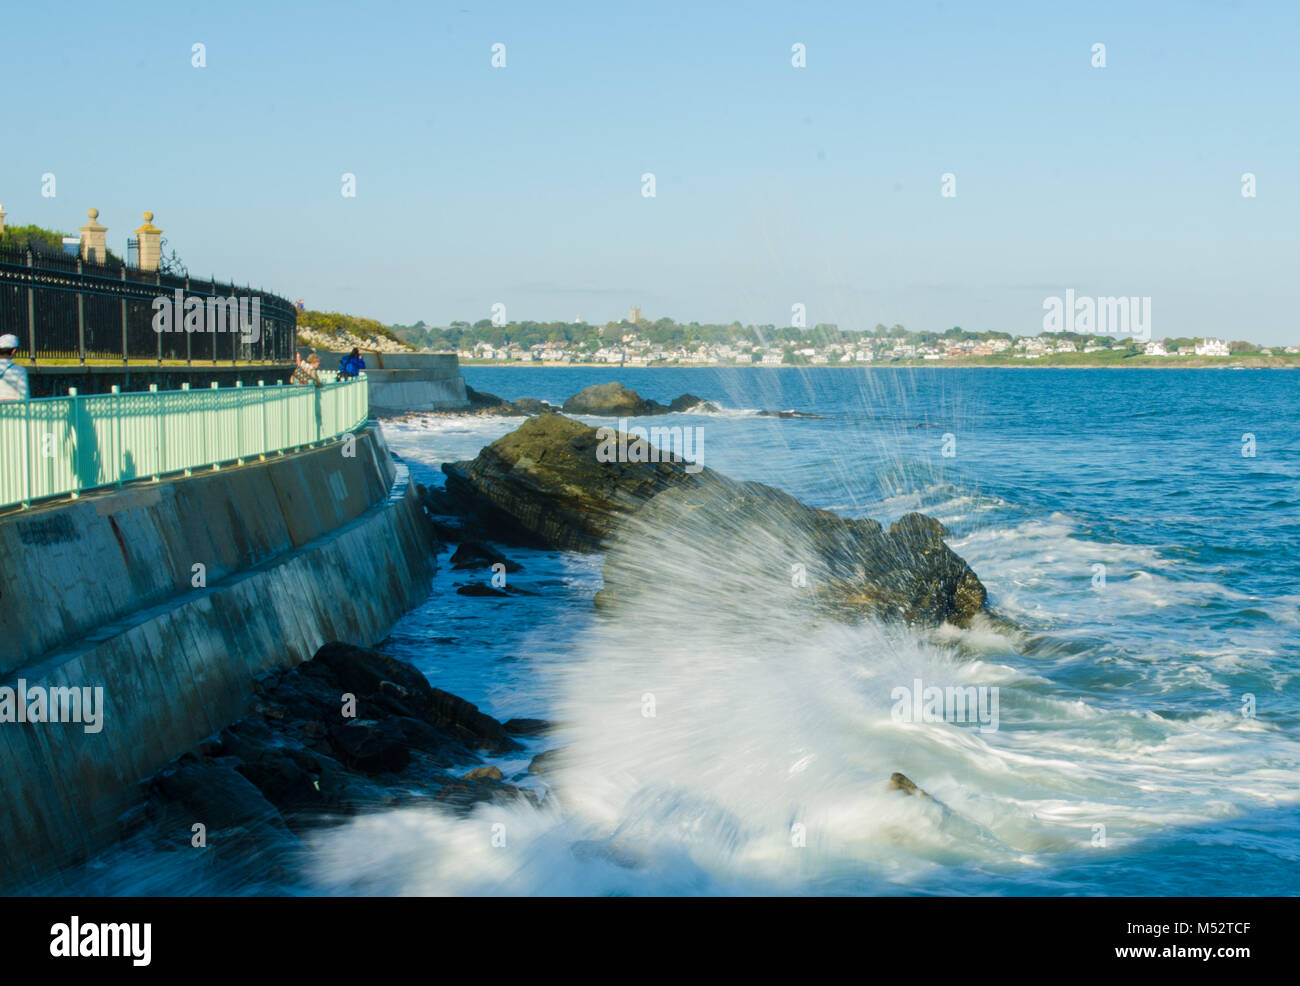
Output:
[[526, 727], [484, 403], [299, 761], [748, 549], [901, 782], [701, 539], [529, 405], [788, 414], [478, 589], [691, 403], [476, 554], [545, 762]]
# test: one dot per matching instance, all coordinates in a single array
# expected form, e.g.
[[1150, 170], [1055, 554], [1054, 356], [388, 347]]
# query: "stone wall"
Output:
[[296, 551]]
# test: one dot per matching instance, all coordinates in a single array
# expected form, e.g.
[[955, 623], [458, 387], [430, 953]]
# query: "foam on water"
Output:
[[765, 765]]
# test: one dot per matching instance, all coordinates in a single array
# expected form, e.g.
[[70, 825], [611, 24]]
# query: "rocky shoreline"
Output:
[[353, 730]]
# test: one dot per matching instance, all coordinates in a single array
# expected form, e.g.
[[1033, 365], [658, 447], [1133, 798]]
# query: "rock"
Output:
[[545, 762], [215, 794], [479, 590], [476, 554], [702, 539], [481, 400], [529, 405], [526, 727], [299, 762], [691, 403], [437, 502], [788, 414], [371, 746], [611, 400], [484, 403], [543, 485], [749, 549], [901, 782]]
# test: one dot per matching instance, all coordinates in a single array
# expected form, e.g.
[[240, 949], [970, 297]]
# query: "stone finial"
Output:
[[94, 239], [150, 243]]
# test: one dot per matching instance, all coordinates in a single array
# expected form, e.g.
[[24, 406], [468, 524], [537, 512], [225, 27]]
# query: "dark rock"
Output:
[[439, 503], [693, 404], [543, 485], [788, 414], [215, 794], [612, 400], [546, 762], [701, 539], [529, 405], [476, 554], [296, 761], [480, 590], [526, 727], [731, 547], [482, 399], [472, 727], [373, 746]]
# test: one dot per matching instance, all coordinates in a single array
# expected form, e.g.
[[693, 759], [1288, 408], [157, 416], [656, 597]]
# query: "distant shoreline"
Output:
[[1148, 363]]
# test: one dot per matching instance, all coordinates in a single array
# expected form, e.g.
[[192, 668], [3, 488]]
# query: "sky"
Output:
[[774, 185]]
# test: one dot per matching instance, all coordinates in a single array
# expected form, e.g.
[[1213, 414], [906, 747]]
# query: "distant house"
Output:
[[772, 359], [1156, 348], [1212, 347]]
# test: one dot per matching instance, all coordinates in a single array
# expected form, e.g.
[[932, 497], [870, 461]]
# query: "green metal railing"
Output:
[[56, 446]]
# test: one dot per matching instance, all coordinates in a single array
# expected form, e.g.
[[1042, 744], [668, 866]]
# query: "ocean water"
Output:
[[1147, 736]]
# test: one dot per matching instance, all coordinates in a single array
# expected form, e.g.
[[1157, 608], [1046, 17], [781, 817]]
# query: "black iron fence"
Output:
[[63, 308]]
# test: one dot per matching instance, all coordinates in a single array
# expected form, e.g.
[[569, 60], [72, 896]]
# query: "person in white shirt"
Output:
[[13, 378]]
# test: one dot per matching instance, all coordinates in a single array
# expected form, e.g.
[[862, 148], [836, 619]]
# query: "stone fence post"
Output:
[[150, 243]]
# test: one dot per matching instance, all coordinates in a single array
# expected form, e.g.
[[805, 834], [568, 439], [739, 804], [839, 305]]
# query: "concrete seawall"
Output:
[[411, 381], [104, 592]]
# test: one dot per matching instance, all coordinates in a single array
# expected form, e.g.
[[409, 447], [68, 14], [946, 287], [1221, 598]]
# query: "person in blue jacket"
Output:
[[351, 364]]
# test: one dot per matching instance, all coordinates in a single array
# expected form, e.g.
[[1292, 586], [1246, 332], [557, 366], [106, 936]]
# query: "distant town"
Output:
[[640, 342]]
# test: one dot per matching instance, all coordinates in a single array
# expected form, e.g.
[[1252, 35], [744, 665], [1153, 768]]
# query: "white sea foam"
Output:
[[764, 766]]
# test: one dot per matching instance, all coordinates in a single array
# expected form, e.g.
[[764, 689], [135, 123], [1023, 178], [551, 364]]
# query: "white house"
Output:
[[1212, 347], [1156, 348]]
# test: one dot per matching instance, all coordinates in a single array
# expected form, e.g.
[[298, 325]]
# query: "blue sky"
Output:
[[775, 185]]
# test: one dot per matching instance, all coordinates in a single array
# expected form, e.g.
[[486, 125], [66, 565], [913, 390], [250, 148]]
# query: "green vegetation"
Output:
[[42, 240], [332, 322]]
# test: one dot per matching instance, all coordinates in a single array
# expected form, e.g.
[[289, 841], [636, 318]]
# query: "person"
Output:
[[13, 378], [308, 371], [351, 364]]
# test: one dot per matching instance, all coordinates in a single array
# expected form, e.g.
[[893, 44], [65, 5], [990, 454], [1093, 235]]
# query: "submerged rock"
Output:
[[476, 554]]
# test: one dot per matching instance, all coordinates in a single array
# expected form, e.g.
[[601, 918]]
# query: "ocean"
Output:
[[1140, 527]]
